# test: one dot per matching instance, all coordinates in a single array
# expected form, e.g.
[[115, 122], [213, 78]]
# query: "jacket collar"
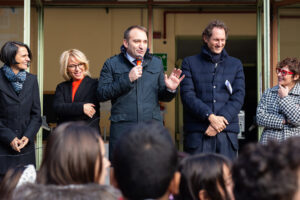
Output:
[[207, 54], [146, 58]]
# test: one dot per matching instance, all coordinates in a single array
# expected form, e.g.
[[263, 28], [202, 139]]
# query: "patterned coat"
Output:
[[272, 111]]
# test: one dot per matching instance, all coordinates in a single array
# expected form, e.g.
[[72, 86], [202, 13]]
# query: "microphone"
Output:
[[139, 60]]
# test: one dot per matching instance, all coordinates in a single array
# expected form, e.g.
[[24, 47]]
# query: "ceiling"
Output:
[[144, 3]]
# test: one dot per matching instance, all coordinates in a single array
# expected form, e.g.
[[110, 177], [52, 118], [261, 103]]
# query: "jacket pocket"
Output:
[[118, 73], [119, 118], [156, 114], [153, 69]]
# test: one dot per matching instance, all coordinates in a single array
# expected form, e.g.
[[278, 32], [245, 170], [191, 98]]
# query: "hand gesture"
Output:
[[24, 141], [219, 123], [135, 73], [210, 131], [15, 144], [89, 109], [283, 91], [174, 79]]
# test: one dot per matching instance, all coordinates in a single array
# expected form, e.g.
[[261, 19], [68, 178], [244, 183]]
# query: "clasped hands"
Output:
[[18, 144], [171, 82], [217, 125]]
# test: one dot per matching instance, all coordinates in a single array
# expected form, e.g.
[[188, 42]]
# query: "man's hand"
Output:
[[174, 79], [219, 123], [283, 91], [210, 131], [135, 73], [89, 109], [24, 141], [15, 144]]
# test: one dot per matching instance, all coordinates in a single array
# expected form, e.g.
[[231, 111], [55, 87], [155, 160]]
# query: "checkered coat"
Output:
[[272, 111]]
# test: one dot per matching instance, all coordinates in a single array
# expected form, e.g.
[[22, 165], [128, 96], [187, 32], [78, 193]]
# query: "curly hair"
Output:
[[267, 172], [292, 63]]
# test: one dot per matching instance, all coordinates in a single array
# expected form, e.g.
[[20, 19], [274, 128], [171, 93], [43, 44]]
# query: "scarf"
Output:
[[16, 81], [216, 58]]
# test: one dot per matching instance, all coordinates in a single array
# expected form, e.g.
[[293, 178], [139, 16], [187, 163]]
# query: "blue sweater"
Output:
[[203, 90]]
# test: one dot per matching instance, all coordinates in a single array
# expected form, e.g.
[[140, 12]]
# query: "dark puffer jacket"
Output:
[[203, 90], [137, 101]]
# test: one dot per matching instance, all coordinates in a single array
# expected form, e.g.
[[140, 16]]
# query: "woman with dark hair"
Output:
[[15, 178], [75, 99], [74, 155], [278, 110], [205, 177], [20, 112]]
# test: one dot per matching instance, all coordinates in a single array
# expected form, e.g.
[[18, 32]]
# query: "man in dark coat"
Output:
[[135, 82], [212, 95]]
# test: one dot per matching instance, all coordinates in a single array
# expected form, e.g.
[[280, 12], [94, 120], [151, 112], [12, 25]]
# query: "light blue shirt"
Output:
[[131, 59]]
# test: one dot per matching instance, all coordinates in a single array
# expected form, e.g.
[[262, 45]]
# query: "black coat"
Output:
[[66, 110], [20, 115]]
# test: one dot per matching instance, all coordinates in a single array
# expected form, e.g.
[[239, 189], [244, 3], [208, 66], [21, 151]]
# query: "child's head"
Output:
[[16, 177], [145, 162], [205, 176], [268, 172], [74, 155]]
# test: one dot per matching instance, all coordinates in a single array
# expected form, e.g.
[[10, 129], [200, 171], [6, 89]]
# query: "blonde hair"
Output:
[[77, 55]]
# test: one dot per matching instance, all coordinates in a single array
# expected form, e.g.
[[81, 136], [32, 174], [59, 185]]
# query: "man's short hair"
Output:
[[208, 30], [267, 172], [127, 31], [144, 161]]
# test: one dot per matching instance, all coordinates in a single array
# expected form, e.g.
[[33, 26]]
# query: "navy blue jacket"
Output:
[[203, 90], [133, 101]]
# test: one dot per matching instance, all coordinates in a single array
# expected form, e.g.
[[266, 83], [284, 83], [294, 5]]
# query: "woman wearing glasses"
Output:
[[75, 99], [279, 108]]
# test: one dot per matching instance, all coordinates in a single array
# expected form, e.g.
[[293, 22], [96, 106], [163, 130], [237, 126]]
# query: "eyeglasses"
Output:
[[283, 72], [74, 66]]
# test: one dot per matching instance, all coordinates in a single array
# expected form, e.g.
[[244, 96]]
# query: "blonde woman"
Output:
[[75, 99]]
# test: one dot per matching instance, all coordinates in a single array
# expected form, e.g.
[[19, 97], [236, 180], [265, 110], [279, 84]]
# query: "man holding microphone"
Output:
[[135, 82]]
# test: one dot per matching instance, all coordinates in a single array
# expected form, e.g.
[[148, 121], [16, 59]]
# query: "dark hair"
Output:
[[71, 154], [293, 65], [9, 51], [145, 161], [127, 31], [203, 172], [10, 181], [267, 172], [69, 192], [208, 30]]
